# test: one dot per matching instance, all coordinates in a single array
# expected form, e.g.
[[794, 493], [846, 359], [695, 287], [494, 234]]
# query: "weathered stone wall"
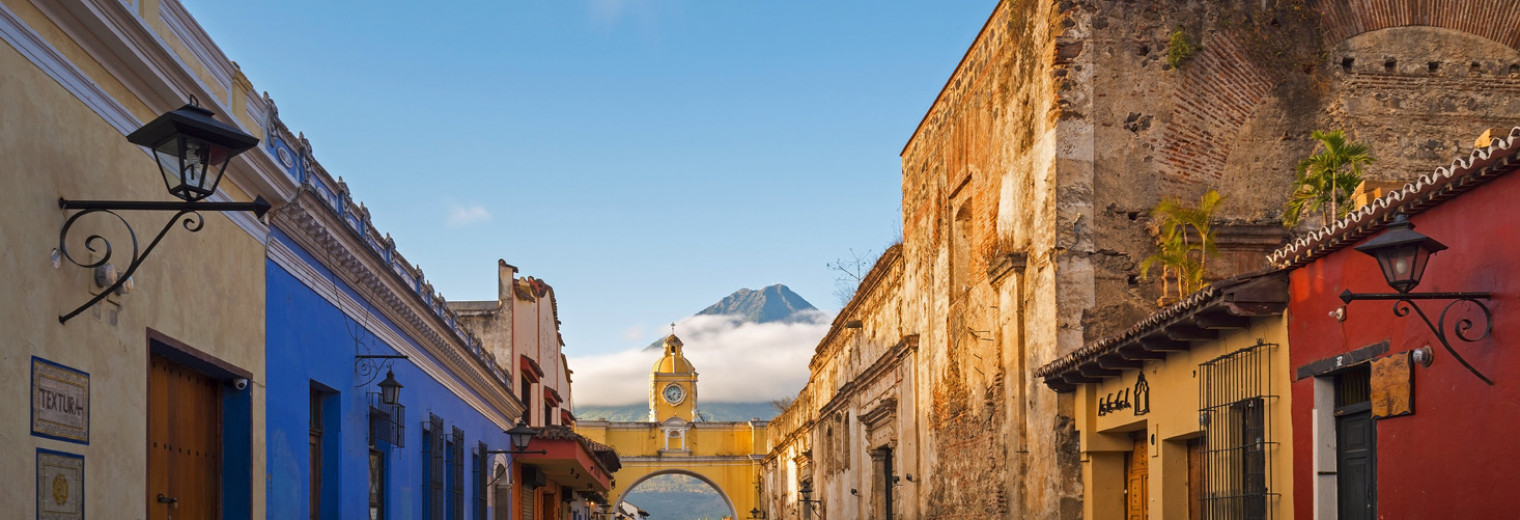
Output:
[[1064, 125], [1027, 190]]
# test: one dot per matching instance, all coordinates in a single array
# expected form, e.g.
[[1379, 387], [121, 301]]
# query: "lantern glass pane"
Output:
[[1399, 265], [1421, 258], [168, 155]]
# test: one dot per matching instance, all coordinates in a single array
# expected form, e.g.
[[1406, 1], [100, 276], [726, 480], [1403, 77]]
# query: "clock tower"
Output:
[[673, 385]]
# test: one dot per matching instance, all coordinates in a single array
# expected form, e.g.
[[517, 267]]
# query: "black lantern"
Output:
[[521, 435], [1402, 253], [390, 389], [192, 148], [754, 513]]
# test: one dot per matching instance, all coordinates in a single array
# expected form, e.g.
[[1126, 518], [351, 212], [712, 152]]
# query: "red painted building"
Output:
[[1375, 433]]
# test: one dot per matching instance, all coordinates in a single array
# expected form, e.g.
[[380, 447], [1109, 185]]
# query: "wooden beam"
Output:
[[1220, 320], [1079, 379], [1163, 344], [1093, 370], [1189, 332], [1117, 362], [1138, 353], [1059, 385]]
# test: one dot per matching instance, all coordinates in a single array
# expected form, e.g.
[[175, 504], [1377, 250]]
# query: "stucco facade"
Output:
[[1439, 434], [1186, 414], [196, 303]]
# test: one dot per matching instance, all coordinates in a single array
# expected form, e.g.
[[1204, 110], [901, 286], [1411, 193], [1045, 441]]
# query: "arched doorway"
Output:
[[678, 480]]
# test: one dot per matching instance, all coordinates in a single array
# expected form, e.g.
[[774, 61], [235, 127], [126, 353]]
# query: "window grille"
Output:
[[456, 475], [1234, 391], [434, 467], [387, 422], [480, 473]]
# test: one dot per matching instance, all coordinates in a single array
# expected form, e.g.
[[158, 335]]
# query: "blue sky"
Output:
[[644, 157]]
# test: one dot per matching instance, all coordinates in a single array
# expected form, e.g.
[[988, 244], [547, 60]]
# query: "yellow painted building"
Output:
[[86, 400], [1186, 413], [725, 455]]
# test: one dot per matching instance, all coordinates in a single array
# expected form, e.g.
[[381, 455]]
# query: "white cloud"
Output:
[[736, 362], [460, 216], [634, 333]]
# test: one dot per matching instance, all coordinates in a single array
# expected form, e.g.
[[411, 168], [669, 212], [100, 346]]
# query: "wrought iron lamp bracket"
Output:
[[192, 221], [1462, 328], [369, 366]]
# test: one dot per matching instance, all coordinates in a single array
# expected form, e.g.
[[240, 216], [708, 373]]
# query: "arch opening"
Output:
[[678, 494]]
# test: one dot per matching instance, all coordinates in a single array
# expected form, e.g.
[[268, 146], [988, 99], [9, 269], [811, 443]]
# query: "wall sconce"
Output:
[[807, 497], [367, 367], [756, 514], [1402, 254], [520, 436], [192, 149]]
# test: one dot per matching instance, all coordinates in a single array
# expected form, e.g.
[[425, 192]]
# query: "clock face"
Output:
[[673, 393]]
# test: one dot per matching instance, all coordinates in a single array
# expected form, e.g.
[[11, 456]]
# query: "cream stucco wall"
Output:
[[1173, 420], [204, 289]]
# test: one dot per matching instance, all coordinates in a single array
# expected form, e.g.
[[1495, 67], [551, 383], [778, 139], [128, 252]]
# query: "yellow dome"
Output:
[[673, 362]]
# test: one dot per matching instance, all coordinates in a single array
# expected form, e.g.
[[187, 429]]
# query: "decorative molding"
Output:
[[137, 56], [112, 111], [292, 262], [71, 78], [314, 229], [189, 32]]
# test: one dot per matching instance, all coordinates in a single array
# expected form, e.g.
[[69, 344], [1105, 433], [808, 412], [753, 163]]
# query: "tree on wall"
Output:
[[1184, 243], [1326, 180]]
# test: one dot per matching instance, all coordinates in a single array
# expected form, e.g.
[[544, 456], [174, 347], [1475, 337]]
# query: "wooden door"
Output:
[[1136, 481], [1195, 477], [184, 442]]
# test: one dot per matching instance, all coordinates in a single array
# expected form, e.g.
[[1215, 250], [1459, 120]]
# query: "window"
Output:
[[376, 485], [527, 397], [479, 475], [1234, 391], [433, 468], [455, 462], [314, 449]]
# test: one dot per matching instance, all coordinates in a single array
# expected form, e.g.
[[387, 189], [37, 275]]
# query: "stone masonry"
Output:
[[1028, 185]]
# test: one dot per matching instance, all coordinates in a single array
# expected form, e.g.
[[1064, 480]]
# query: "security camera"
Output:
[[240, 383]]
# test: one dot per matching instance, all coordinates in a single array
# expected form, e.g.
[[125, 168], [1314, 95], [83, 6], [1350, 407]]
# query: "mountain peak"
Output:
[[775, 303]]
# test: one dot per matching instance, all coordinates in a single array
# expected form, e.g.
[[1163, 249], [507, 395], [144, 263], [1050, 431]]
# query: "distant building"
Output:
[[521, 330], [724, 455]]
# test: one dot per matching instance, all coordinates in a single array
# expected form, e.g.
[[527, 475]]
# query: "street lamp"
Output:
[[756, 514], [390, 389], [192, 149], [1403, 254], [807, 497], [520, 436]]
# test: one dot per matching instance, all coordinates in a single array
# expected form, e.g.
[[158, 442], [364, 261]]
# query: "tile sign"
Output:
[[60, 485], [60, 402]]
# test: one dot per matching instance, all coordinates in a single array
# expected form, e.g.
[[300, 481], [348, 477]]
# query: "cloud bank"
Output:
[[736, 362]]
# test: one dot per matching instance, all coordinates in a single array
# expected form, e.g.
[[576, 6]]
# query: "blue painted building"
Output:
[[344, 312]]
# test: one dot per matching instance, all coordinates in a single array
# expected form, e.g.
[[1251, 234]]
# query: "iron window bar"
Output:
[[1235, 391]]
